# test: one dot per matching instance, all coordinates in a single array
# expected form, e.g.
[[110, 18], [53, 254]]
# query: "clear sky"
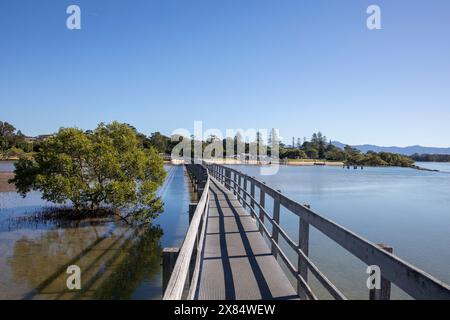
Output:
[[299, 66]]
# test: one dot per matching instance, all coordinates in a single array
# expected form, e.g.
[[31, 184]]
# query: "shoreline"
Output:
[[4, 185], [295, 163], [9, 159]]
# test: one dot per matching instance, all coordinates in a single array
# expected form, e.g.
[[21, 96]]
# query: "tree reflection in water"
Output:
[[114, 259]]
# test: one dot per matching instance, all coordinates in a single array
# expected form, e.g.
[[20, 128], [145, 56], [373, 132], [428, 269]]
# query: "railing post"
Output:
[[276, 218], [224, 181], [252, 194], [234, 182], [228, 178], [192, 207], [384, 293], [170, 256], [262, 202], [303, 245], [239, 185], [244, 203]]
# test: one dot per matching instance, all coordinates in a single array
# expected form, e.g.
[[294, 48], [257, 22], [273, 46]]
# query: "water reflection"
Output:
[[404, 208], [114, 259]]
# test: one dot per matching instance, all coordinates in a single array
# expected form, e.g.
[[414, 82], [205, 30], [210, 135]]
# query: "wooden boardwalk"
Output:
[[237, 263], [232, 252]]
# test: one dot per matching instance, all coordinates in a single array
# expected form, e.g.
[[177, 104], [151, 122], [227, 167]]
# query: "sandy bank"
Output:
[[283, 163], [4, 185], [311, 163]]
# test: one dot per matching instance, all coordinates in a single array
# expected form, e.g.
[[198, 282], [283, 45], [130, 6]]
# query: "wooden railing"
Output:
[[410, 279], [184, 276]]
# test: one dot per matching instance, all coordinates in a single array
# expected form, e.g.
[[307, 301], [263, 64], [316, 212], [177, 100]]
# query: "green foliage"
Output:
[[333, 153], [14, 152], [319, 148], [106, 167], [12, 142], [293, 154], [380, 159], [431, 157], [160, 142]]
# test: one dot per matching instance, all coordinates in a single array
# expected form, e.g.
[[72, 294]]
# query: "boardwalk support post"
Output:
[[262, 202], [384, 293], [252, 194], [192, 207], [244, 203], [228, 179], [239, 185], [303, 245], [170, 256], [276, 218]]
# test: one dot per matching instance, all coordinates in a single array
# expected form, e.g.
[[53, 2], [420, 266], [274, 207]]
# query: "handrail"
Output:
[[415, 282], [194, 240], [327, 284]]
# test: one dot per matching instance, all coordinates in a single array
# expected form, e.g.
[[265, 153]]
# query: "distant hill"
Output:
[[407, 151]]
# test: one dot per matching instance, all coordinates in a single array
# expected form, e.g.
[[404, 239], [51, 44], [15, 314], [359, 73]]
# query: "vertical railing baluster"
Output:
[[228, 178], [384, 293], [262, 202], [239, 185], [276, 218], [303, 245], [245, 192], [252, 194]]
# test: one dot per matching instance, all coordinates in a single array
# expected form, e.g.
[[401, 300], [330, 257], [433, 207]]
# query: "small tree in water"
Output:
[[104, 168]]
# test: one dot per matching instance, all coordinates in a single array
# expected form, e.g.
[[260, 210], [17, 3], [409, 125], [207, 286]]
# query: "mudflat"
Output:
[[4, 185]]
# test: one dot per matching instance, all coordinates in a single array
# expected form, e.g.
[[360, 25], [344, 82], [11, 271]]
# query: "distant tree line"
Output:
[[431, 157], [13, 143], [318, 147]]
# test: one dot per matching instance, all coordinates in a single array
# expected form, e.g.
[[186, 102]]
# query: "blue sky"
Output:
[[299, 66]]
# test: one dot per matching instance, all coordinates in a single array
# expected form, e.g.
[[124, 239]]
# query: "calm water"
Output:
[[405, 208], [441, 166], [6, 166], [117, 262]]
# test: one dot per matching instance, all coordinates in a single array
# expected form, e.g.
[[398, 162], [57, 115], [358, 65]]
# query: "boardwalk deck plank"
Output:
[[237, 262]]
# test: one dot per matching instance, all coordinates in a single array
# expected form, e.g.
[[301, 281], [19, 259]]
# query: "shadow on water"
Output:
[[113, 260], [117, 261]]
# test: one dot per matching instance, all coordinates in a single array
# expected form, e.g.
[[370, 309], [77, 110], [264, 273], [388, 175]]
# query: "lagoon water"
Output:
[[441, 166], [117, 262], [6, 166], [405, 208]]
